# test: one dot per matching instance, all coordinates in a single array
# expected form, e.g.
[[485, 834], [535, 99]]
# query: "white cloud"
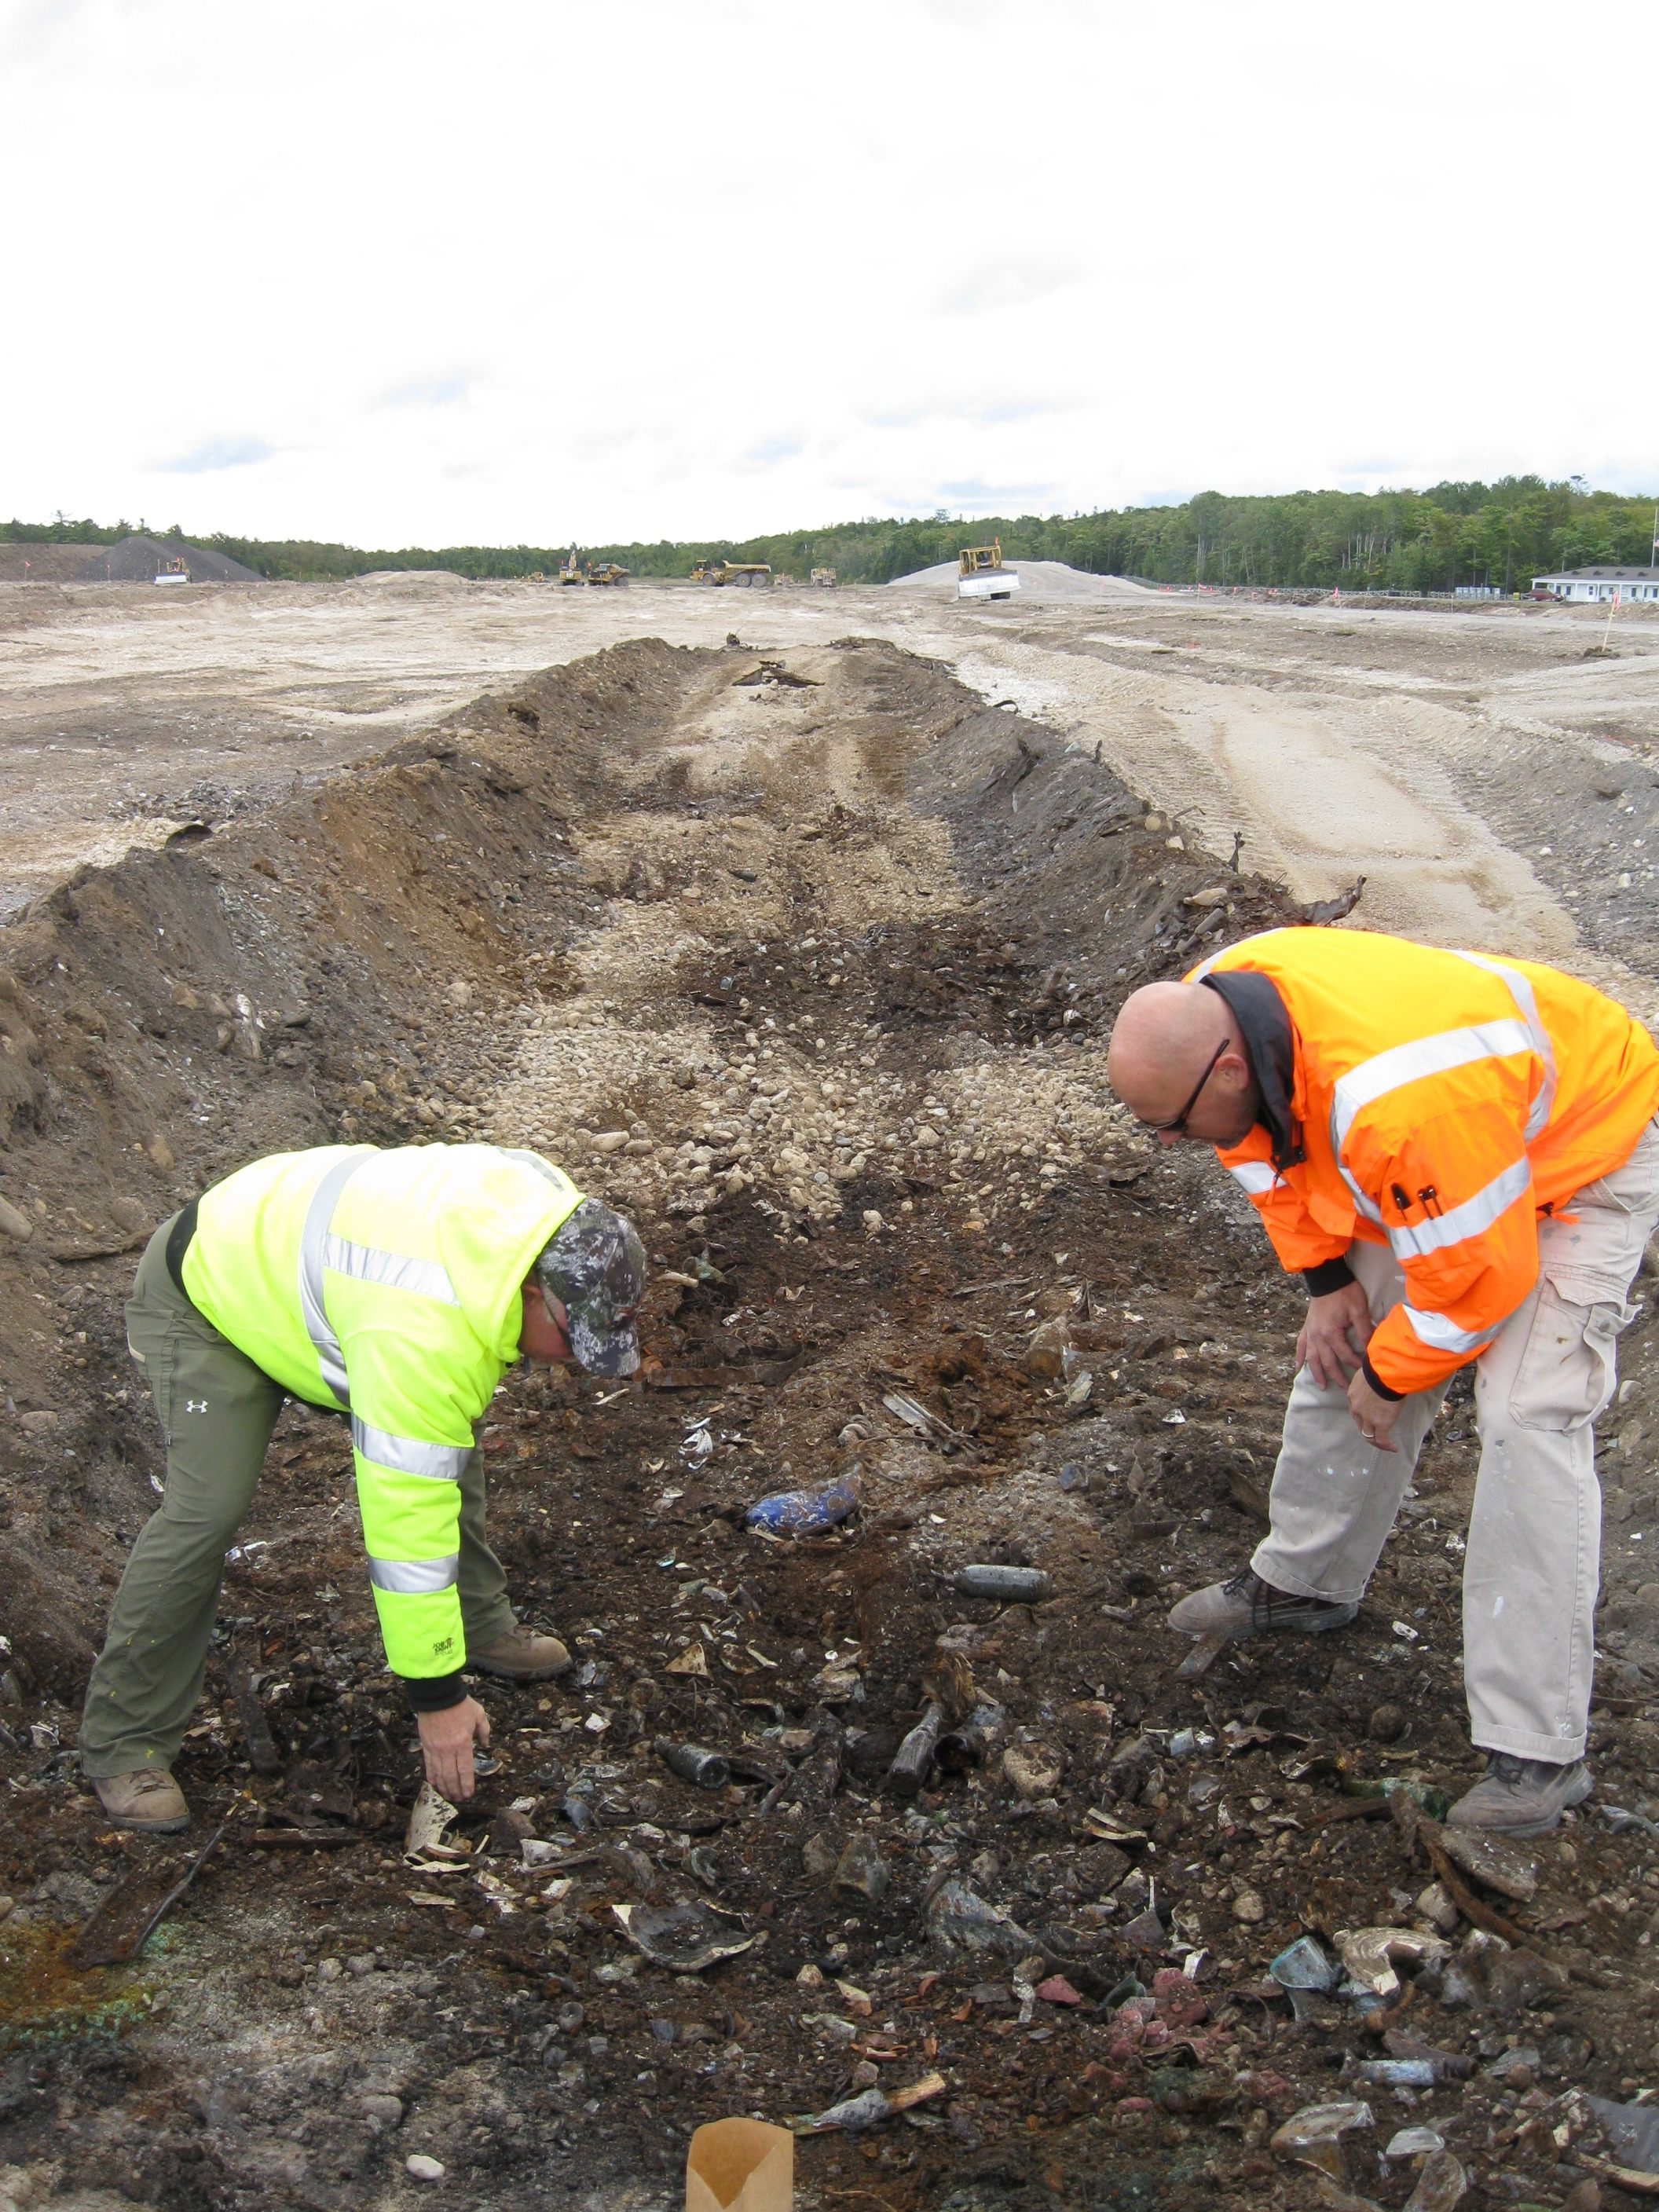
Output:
[[214, 454], [410, 273], [1007, 280]]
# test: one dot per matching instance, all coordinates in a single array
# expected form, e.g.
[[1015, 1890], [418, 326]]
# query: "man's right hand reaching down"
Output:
[[1335, 1334], [446, 1740]]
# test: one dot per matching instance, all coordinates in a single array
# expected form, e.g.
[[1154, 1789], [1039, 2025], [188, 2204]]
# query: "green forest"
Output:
[[1500, 534]]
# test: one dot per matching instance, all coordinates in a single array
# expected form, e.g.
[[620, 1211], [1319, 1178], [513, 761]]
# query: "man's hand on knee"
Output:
[[446, 1740], [1374, 1417], [1335, 1334]]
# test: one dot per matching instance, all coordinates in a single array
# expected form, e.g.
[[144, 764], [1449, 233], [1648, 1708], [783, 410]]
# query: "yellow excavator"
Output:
[[570, 571]]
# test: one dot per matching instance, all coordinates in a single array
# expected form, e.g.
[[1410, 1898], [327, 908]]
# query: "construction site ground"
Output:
[[795, 926]]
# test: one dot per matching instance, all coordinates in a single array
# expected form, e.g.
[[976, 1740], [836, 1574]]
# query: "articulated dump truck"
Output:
[[754, 574]]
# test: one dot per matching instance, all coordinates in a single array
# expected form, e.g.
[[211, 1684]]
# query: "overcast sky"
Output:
[[411, 273]]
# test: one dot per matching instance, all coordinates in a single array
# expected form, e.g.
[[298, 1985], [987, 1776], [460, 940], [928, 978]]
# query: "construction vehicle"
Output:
[[606, 572], [753, 574], [173, 571], [981, 574], [824, 579], [571, 569]]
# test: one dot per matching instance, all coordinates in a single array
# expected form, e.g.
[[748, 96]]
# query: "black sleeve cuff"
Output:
[[433, 1693], [1329, 1275], [1377, 1384]]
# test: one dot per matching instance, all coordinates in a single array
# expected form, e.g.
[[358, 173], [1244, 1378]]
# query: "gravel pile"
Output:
[[136, 560]]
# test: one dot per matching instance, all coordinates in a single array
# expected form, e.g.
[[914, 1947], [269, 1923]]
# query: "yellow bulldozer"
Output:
[[981, 574], [975, 560]]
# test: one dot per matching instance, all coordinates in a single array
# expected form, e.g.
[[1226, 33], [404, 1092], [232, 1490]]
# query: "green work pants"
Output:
[[217, 1411]]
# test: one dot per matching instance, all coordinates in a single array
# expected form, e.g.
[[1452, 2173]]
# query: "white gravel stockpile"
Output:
[[1038, 580]]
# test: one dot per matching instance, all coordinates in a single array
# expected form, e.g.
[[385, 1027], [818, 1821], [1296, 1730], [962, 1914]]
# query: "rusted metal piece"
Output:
[[303, 1839], [123, 1923], [262, 1754], [1202, 1657]]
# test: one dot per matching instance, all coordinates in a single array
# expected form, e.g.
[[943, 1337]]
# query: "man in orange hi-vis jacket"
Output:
[[1460, 1156]]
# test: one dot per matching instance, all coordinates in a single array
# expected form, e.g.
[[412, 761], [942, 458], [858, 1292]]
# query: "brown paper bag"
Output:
[[740, 2166]]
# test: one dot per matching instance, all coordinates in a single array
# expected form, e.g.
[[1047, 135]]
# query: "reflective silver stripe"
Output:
[[1442, 1335], [414, 1577], [407, 1455], [1468, 1220], [1257, 1176], [544, 1167], [392, 1271], [1522, 992], [313, 1237], [1437, 1054], [1429, 1055]]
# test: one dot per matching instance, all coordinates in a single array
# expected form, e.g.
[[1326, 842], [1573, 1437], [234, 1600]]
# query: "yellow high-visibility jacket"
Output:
[[386, 1283], [1442, 1100]]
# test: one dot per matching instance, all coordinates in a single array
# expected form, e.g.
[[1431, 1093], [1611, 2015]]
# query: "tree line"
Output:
[[1500, 534]]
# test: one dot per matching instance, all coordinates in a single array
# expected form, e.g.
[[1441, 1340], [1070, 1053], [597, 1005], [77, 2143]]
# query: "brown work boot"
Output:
[[1246, 1605], [521, 1656], [1521, 1796], [149, 1800]]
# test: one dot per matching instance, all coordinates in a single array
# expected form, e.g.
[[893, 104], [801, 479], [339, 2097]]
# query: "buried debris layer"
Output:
[[802, 1512], [1441, 2184], [479, 2025], [684, 1938], [1369, 1954], [706, 1770], [873, 2107], [430, 1817], [964, 1920], [1314, 2136], [1497, 1862], [1013, 1585], [1303, 1965]]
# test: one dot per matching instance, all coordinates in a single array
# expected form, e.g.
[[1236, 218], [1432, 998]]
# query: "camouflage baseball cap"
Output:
[[595, 1268]]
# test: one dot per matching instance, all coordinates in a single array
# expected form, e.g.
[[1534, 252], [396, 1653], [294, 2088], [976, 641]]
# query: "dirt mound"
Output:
[[416, 582], [139, 559], [1039, 581]]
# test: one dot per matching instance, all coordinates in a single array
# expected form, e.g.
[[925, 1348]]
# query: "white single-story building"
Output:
[[1600, 584]]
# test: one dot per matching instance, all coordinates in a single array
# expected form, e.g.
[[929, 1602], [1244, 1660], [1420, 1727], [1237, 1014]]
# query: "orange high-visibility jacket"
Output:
[[1444, 1101]]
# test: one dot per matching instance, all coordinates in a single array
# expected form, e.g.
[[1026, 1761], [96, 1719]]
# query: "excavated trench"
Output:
[[808, 963]]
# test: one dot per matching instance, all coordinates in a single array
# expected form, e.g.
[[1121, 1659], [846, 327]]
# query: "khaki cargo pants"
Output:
[[1533, 1564], [217, 1411]]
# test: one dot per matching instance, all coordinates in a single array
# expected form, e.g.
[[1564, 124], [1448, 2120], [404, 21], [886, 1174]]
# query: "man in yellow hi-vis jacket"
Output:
[[396, 1286]]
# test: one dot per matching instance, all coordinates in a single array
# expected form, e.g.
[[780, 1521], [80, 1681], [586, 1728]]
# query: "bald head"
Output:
[[1164, 1040]]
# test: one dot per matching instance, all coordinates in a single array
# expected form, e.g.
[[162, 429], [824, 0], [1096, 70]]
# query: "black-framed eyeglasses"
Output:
[[1179, 1125]]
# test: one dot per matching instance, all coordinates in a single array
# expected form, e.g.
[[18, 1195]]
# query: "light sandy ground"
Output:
[[1457, 760], [1041, 582]]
